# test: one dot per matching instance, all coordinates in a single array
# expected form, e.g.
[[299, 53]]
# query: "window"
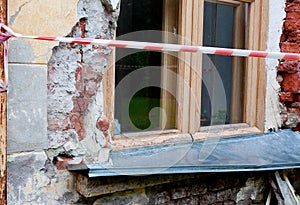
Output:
[[137, 99], [186, 86]]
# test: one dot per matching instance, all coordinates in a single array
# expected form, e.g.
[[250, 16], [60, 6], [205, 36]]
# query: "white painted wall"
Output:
[[276, 16]]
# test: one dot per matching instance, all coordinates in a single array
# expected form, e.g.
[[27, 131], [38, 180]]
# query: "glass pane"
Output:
[[138, 73], [220, 22]]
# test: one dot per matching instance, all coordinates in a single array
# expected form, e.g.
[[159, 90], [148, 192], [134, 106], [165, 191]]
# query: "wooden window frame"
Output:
[[188, 117]]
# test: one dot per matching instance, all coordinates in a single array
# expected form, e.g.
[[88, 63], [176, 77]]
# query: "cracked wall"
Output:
[[55, 111]]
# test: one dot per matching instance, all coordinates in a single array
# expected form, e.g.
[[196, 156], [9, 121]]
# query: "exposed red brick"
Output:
[[103, 124], [58, 124], [293, 15], [82, 27], [292, 36], [297, 128], [290, 47], [290, 82], [292, 25], [283, 37], [297, 97], [80, 104], [79, 79], [286, 97], [77, 123], [62, 162], [292, 6], [289, 66]]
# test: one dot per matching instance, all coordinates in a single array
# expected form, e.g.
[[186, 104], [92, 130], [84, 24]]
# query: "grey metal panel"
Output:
[[271, 151]]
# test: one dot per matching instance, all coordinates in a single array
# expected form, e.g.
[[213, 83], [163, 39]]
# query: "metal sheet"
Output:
[[271, 151]]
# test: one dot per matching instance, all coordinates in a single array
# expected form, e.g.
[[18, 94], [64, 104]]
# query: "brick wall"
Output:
[[203, 189], [289, 71]]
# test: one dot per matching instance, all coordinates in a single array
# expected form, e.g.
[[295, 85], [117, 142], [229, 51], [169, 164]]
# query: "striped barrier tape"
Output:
[[3, 39], [155, 46]]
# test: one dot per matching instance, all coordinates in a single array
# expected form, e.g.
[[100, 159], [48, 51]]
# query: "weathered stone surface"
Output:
[[129, 198], [90, 187], [252, 192], [27, 111], [30, 18], [29, 183]]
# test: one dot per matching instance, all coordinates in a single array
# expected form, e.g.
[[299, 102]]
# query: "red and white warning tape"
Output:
[[3, 39], [156, 46]]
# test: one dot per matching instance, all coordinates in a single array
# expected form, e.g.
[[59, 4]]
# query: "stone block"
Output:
[[31, 180], [43, 24], [91, 187], [27, 108], [130, 198], [22, 170]]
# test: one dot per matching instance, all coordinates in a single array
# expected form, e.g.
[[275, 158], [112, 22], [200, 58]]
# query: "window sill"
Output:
[[147, 139], [167, 137], [258, 152]]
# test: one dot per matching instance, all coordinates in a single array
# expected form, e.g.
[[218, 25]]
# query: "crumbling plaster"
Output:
[[75, 97], [272, 107], [74, 73]]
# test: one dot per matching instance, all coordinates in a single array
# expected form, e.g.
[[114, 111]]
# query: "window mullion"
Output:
[[196, 68], [184, 65]]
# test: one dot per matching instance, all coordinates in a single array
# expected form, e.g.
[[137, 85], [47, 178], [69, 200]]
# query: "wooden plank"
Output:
[[238, 69], [284, 189], [170, 65], [184, 69], [196, 68], [150, 139], [182, 19], [256, 72], [3, 101], [108, 86], [251, 67], [262, 71], [224, 131], [230, 2]]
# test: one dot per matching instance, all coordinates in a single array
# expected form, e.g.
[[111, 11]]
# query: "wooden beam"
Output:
[[3, 16], [196, 71]]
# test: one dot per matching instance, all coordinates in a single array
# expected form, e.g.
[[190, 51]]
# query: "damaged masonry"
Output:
[[62, 146]]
